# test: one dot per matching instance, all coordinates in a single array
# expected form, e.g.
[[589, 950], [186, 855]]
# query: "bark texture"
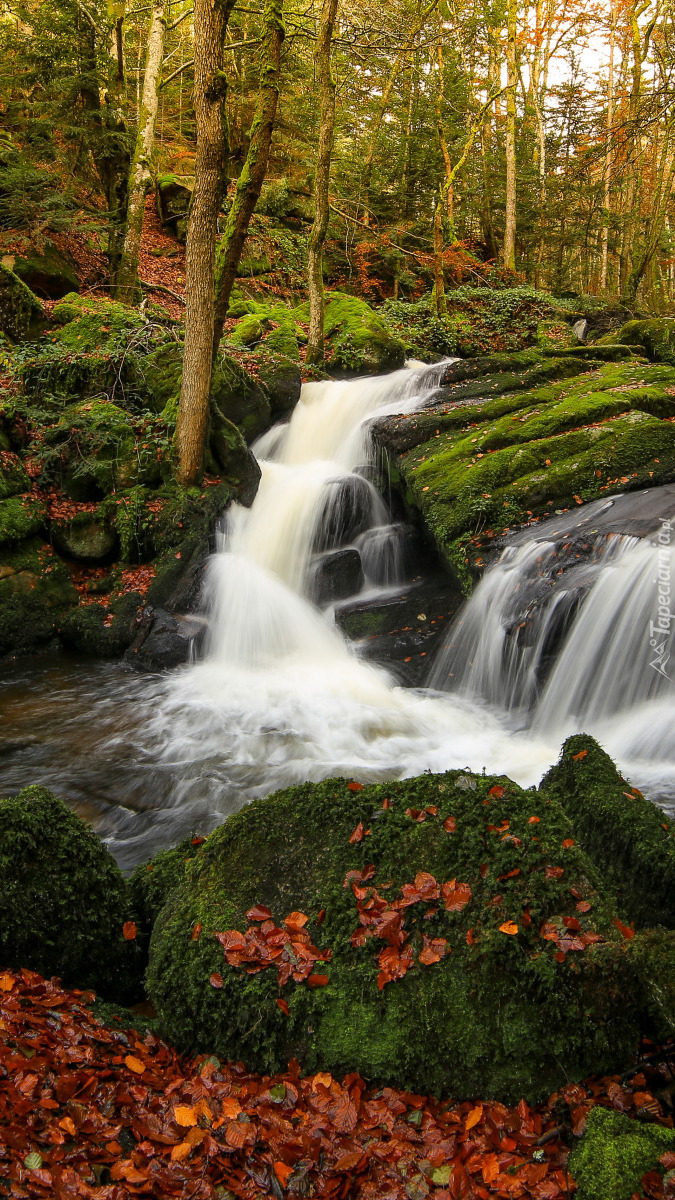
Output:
[[511, 82], [211, 19]]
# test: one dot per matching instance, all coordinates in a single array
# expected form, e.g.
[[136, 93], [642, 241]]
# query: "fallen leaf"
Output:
[[134, 1064], [184, 1116], [508, 927], [129, 930]]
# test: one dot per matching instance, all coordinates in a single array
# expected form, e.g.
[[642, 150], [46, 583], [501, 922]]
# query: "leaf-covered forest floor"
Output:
[[106, 1112]]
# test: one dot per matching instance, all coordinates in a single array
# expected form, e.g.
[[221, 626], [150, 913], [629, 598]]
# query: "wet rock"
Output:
[[21, 314], [347, 510], [164, 640], [36, 594], [336, 575], [283, 382], [88, 537], [49, 272]]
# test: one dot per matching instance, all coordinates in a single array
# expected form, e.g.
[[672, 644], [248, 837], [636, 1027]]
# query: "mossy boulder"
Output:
[[152, 882], [87, 536], [240, 398], [358, 340], [492, 465], [283, 383], [36, 593], [614, 1153], [517, 978], [48, 271], [63, 900], [247, 331], [96, 449], [102, 630], [173, 195], [85, 325], [21, 517], [631, 840], [657, 335], [21, 314]]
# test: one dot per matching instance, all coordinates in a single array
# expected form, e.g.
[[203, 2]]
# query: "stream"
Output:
[[545, 646]]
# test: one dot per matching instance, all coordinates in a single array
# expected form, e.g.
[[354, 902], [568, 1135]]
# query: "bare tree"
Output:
[[317, 237]]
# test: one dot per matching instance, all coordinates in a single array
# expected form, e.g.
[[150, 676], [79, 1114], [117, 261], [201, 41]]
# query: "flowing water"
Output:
[[280, 697]]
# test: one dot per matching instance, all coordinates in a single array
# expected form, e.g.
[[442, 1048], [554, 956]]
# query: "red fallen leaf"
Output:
[[6, 982], [432, 810], [583, 906], [348, 1161], [281, 1003], [320, 917], [560, 957], [549, 931], [456, 895], [490, 1168], [196, 932], [509, 927], [450, 824], [416, 814], [179, 1152], [433, 950], [232, 939], [134, 1064], [259, 912], [295, 921], [568, 843], [626, 930], [198, 841], [356, 835], [510, 874], [533, 820], [355, 787], [571, 923], [667, 1160], [216, 979], [497, 791], [129, 930], [554, 872], [581, 754], [386, 803], [359, 876], [424, 888], [393, 965], [283, 1172], [469, 937], [316, 981]]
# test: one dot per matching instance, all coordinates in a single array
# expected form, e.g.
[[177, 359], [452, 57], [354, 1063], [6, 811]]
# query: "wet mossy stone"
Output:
[[97, 451], [63, 900], [240, 398], [84, 325], [102, 630], [173, 196], [247, 331], [48, 272], [36, 592], [505, 1014], [13, 475], [151, 883], [21, 314], [657, 335], [239, 468], [614, 1153], [358, 340], [283, 382], [89, 536], [21, 517], [628, 837]]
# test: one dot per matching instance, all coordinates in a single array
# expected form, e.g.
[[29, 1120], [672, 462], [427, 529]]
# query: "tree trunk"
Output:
[[509, 253], [117, 153], [607, 170], [317, 237], [253, 172], [140, 176], [210, 22]]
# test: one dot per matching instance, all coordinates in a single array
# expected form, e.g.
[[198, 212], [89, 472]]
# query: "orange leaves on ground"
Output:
[[355, 787], [134, 1064], [568, 843], [216, 979], [6, 982], [282, 1004], [533, 820], [456, 895], [581, 754], [509, 927], [626, 931], [356, 834], [197, 1126], [196, 932], [496, 792], [450, 824], [129, 930], [289, 949], [393, 964], [433, 950]]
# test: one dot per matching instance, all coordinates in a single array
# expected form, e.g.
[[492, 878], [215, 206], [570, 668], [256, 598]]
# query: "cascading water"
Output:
[[556, 637]]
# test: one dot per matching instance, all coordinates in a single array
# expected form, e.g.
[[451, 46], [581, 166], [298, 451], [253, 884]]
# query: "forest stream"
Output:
[[279, 696]]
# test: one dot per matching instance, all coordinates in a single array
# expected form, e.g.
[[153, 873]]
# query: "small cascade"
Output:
[[567, 635]]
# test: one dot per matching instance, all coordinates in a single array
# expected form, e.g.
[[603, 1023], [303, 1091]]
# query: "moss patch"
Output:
[[21, 517], [36, 592], [615, 1153], [21, 314]]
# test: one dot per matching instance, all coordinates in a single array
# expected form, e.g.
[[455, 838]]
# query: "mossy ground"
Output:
[[503, 1014], [614, 1154], [487, 467], [63, 900], [36, 593]]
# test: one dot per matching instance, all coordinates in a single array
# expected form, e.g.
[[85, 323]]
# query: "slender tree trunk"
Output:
[[439, 283], [210, 21], [140, 176], [317, 237], [607, 172], [253, 172], [117, 151], [509, 253]]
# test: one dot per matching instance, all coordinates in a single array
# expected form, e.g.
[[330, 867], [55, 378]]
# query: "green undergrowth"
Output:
[[614, 1153], [505, 1013], [485, 467]]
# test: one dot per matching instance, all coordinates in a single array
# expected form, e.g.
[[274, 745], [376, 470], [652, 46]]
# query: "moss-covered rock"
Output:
[[657, 335], [247, 331], [102, 630], [96, 449], [36, 592], [240, 398], [614, 1154], [173, 195], [21, 314], [86, 325], [47, 271], [512, 987], [87, 536], [21, 517], [631, 840], [487, 466], [13, 475], [357, 338], [152, 882], [63, 900]]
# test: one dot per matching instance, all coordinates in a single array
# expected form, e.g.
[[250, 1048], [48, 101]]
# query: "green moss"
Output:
[[36, 592], [497, 1017], [357, 338], [657, 335], [247, 331], [152, 882], [21, 517], [85, 325], [21, 314], [13, 475], [615, 1153], [62, 898], [102, 630], [627, 836], [95, 448], [47, 271]]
